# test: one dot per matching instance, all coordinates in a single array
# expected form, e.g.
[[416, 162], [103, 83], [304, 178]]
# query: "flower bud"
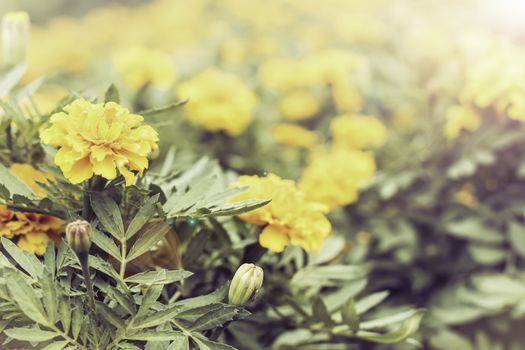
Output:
[[78, 235], [15, 37], [245, 284]]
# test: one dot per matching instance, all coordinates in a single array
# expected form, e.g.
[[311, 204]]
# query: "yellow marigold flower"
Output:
[[32, 231], [140, 66], [30, 176], [289, 218], [293, 135], [335, 177], [218, 101], [357, 131], [299, 105], [99, 139], [461, 118]]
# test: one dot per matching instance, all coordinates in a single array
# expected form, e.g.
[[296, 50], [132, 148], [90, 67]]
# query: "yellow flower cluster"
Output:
[[293, 135], [99, 139], [334, 177], [357, 131], [495, 82], [139, 66], [299, 105], [32, 231], [290, 218], [218, 101], [460, 118]]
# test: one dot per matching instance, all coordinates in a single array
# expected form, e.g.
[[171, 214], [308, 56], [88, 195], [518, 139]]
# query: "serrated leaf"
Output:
[[108, 213], [25, 297], [110, 316], [12, 183], [30, 334], [112, 94], [152, 233], [152, 294], [206, 344], [143, 215], [106, 244], [65, 313], [180, 344], [76, 321], [217, 317], [158, 317], [50, 296], [389, 320], [27, 261], [57, 345], [50, 259], [158, 277], [204, 300], [156, 336], [516, 233]]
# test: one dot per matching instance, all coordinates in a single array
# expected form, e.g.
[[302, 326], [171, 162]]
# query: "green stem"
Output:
[[84, 263], [123, 252]]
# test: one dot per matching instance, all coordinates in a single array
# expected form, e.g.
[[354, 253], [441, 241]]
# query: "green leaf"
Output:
[[10, 79], [26, 298], [158, 277], [158, 317], [368, 302], [12, 183], [50, 259], [320, 313], [151, 234], [204, 300], [58, 345], [349, 314], [180, 344], [106, 244], [206, 344], [152, 294], [218, 316], [516, 233], [145, 213], [27, 261], [50, 296], [389, 320], [156, 336], [473, 228], [110, 316], [77, 321], [155, 112], [108, 213], [65, 313], [112, 94], [315, 276], [30, 334], [407, 328]]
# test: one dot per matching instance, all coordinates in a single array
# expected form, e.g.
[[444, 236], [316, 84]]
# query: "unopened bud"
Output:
[[78, 235], [245, 284], [15, 37]]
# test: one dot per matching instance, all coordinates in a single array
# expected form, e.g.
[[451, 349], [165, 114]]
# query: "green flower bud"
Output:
[[15, 37], [78, 235], [245, 284]]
